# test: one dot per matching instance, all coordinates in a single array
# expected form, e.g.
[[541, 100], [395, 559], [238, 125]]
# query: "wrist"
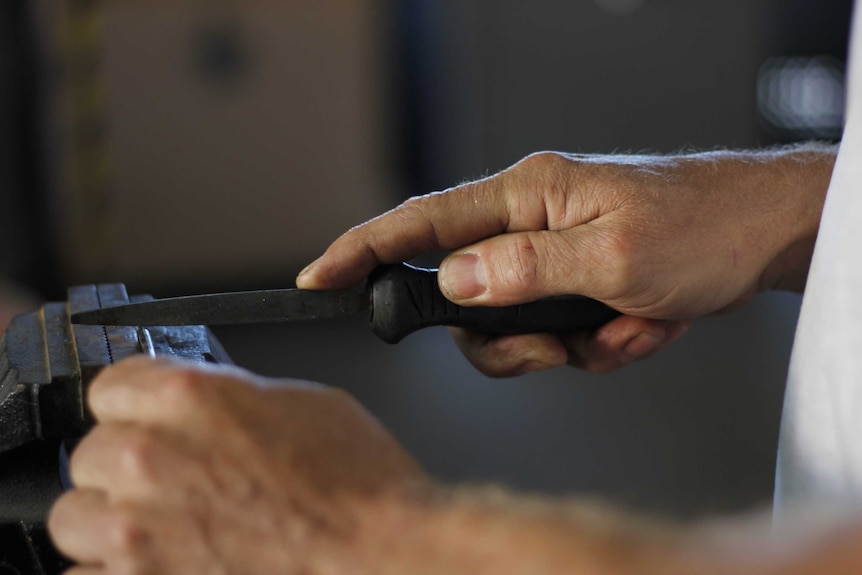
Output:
[[799, 178]]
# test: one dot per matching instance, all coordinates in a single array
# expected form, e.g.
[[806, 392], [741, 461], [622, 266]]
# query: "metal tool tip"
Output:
[[86, 318]]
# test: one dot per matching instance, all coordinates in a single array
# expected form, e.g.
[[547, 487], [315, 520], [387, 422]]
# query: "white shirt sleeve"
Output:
[[820, 449]]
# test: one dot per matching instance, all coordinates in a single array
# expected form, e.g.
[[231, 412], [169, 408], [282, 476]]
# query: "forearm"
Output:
[[480, 530]]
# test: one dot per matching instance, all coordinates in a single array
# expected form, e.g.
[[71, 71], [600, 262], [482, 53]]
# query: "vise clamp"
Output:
[[46, 364]]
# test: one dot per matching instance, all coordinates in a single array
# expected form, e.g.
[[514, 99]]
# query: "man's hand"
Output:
[[661, 239], [212, 470], [200, 470]]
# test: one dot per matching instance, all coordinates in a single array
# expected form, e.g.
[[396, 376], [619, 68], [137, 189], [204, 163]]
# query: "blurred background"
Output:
[[200, 145]]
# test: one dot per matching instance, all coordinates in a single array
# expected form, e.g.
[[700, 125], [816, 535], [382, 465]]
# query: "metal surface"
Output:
[[45, 366], [264, 306]]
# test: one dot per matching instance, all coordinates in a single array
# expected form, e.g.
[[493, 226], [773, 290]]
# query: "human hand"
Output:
[[661, 239], [195, 469], [212, 470]]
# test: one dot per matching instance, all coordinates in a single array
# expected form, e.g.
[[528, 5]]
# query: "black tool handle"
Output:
[[405, 298]]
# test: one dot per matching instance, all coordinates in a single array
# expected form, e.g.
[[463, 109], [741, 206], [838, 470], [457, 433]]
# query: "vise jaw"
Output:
[[46, 364]]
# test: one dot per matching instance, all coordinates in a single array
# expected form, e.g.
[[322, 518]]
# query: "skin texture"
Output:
[[663, 239], [195, 469], [214, 470], [211, 470]]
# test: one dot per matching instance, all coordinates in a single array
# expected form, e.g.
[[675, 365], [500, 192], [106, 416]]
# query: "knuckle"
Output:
[[128, 534], [424, 205], [595, 351], [547, 173], [488, 360], [543, 161], [416, 208], [543, 192], [188, 387], [620, 254], [414, 204], [517, 271], [589, 362], [499, 358], [418, 214], [139, 453]]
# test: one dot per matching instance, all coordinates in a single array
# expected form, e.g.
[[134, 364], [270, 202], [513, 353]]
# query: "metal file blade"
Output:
[[262, 306]]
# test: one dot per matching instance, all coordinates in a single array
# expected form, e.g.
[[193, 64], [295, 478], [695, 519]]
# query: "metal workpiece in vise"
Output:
[[46, 364]]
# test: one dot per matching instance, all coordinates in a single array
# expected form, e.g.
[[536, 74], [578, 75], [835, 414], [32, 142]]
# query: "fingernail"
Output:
[[309, 268], [641, 345], [463, 276]]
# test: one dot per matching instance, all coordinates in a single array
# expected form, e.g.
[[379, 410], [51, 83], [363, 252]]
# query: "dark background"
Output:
[[446, 91]]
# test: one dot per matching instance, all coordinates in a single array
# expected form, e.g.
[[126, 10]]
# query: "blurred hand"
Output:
[[213, 470], [661, 239]]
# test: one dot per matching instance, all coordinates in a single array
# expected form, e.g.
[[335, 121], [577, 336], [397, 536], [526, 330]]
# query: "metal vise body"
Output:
[[45, 366]]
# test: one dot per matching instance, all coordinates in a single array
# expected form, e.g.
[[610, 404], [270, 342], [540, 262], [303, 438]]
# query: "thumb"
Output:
[[518, 267]]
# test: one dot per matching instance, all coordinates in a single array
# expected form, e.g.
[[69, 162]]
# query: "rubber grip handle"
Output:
[[406, 298]]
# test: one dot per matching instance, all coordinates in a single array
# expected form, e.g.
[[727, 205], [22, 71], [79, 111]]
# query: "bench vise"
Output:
[[46, 364]]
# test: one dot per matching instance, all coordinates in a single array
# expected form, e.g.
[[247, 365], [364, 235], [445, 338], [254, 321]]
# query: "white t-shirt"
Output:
[[820, 450]]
